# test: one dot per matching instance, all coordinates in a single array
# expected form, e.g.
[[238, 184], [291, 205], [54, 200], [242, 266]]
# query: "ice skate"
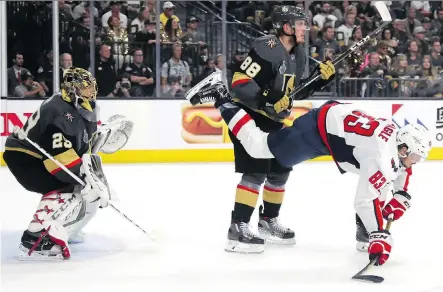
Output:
[[273, 232], [242, 240], [362, 236], [39, 247], [79, 237], [210, 89]]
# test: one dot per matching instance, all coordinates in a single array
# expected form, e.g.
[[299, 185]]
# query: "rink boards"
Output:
[[173, 131]]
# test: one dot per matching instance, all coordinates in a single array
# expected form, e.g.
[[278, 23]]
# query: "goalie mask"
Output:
[[80, 88]]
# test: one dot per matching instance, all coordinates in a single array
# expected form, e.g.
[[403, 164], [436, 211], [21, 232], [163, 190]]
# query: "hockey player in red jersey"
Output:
[[372, 147]]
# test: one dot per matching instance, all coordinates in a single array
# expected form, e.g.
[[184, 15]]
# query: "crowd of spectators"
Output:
[[403, 61], [125, 43]]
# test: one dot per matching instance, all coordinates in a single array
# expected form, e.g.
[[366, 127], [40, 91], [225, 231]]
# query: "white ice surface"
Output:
[[188, 206]]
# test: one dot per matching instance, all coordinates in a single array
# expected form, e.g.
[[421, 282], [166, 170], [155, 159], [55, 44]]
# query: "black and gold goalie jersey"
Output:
[[267, 74], [61, 131]]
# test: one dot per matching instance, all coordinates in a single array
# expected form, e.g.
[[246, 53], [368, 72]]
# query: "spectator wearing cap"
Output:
[[115, 12], [191, 35], [138, 24], [82, 8], [419, 34], [28, 87], [15, 73], [146, 39], [195, 48], [168, 13]]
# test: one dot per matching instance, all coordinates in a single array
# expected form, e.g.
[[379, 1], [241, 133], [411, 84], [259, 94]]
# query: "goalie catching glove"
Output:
[[398, 205], [112, 135]]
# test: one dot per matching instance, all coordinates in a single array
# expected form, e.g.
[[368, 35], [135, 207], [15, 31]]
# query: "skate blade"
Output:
[[279, 241], [362, 246], [239, 247], [274, 240], [37, 257]]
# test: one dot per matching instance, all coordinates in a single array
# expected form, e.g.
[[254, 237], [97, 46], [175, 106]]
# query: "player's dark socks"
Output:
[[242, 212], [246, 197], [271, 210], [361, 234], [272, 200]]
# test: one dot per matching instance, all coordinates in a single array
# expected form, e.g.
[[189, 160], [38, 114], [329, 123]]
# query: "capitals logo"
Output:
[[403, 115]]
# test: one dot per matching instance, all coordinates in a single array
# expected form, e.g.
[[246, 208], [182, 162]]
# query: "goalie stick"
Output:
[[371, 278], [21, 135], [386, 18]]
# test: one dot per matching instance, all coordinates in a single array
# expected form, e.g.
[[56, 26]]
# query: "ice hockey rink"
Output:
[[187, 207]]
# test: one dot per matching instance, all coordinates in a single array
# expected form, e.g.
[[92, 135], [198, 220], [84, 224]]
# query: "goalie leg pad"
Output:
[[58, 217]]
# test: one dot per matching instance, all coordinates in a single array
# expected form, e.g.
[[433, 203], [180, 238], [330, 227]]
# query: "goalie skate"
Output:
[[242, 240], [39, 248], [79, 237], [273, 232]]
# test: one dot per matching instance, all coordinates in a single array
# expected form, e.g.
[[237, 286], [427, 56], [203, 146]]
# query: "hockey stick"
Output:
[[22, 136], [385, 16], [372, 278]]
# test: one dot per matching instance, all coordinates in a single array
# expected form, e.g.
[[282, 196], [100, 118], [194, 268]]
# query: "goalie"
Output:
[[65, 126]]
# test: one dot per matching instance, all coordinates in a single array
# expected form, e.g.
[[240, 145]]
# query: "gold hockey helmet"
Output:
[[80, 88]]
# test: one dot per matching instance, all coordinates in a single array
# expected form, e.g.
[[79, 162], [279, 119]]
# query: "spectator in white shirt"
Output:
[[347, 28], [324, 16], [115, 11], [138, 24]]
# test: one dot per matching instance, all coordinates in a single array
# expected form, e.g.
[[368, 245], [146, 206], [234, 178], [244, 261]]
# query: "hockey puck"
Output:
[[369, 278]]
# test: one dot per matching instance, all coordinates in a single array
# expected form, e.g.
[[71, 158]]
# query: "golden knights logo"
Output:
[[271, 43]]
